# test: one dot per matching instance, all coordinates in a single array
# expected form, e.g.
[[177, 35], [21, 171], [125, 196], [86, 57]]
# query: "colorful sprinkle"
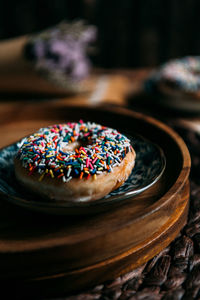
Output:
[[47, 153]]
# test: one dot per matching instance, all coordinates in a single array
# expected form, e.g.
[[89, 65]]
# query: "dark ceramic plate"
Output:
[[149, 166]]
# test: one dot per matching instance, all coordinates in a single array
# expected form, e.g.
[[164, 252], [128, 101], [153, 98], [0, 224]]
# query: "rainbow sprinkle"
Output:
[[99, 149]]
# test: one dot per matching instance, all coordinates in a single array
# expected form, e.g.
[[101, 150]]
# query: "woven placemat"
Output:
[[175, 272]]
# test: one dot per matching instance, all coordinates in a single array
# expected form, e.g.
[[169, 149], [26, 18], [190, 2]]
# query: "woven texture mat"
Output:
[[175, 272]]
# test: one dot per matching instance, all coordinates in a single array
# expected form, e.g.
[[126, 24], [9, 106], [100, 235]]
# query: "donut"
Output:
[[75, 161], [178, 75], [177, 83]]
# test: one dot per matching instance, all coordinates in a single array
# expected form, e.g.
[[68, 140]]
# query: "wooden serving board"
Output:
[[58, 255]]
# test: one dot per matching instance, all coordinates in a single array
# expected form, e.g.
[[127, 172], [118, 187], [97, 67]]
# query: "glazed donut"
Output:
[[182, 74], [74, 161], [177, 82]]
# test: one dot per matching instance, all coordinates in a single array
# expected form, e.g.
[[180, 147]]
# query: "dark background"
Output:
[[132, 33]]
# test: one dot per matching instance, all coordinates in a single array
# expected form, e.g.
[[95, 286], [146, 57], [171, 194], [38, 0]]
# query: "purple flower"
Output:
[[63, 50]]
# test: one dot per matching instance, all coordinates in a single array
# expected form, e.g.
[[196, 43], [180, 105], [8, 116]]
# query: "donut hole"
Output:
[[71, 146], [76, 145]]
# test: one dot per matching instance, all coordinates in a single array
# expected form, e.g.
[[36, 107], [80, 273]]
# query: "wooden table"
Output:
[[19, 111], [20, 117]]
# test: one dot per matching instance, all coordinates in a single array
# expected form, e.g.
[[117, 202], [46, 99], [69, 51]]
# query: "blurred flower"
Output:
[[62, 52]]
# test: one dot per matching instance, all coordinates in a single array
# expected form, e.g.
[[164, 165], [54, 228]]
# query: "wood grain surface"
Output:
[[75, 252]]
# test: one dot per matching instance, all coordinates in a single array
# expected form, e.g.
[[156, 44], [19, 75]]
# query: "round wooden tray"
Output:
[[65, 254]]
